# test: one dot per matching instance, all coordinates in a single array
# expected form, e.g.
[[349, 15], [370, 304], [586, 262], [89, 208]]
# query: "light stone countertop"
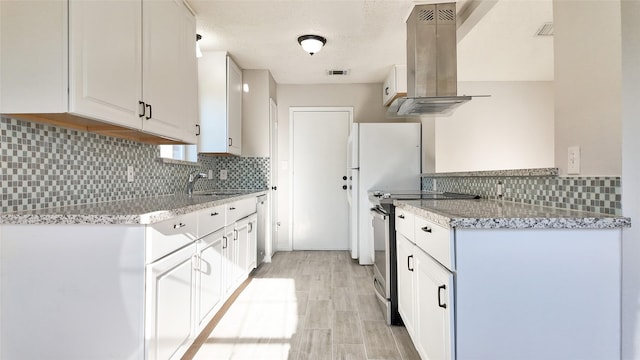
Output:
[[144, 211], [497, 214]]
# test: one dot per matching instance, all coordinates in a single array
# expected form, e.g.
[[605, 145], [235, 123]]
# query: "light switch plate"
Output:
[[573, 160]]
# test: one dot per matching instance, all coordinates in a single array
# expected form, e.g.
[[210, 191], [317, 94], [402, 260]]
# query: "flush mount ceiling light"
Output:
[[311, 43]]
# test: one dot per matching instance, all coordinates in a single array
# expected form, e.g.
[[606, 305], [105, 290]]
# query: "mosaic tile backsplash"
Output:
[[45, 166], [597, 194]]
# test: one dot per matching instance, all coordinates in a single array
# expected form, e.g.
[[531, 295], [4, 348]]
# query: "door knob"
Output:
[[344, 187]]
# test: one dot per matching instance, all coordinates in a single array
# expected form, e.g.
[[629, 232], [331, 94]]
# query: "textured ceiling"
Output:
[[367, 37]]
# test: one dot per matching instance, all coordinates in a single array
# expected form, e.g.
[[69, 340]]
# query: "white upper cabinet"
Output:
[[169, 70], [220, 95], [395, 85], [119, 68], [105, 61]]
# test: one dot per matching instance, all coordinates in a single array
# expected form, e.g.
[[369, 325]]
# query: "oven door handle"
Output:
[[378, 213]]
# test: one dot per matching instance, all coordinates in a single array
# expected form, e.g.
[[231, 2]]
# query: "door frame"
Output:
[[292, 110], [271, 244]]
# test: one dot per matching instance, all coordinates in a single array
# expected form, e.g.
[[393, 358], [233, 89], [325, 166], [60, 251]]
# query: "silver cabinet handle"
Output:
[[177, 226]]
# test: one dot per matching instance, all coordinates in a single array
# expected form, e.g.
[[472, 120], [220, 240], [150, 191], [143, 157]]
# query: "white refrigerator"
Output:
[[381, 156]]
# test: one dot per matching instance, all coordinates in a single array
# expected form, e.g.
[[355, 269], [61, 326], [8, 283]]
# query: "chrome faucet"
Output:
[[193, 177]]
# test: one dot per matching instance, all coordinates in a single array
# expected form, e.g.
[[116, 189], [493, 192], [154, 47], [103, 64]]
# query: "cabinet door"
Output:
[[406, 269], [105, 61], [252, 255], [169, 70], [229, 257], [169, 305], [434, 313], [209, 277], [234, 107], [242, 247]]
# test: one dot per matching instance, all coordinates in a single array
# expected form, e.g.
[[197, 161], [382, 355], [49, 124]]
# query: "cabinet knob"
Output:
[[274, 188], [344, 187], [344, 178]]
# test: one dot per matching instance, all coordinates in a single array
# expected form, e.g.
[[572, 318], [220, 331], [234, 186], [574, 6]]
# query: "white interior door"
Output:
[[319, 211]]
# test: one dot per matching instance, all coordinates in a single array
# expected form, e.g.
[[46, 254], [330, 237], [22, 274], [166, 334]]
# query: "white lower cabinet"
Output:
[[433, 325], [424, 301], [406, 280], [247, 244], [209, 293], [170, 304], [149, 290], [229, 258], [505, 294]]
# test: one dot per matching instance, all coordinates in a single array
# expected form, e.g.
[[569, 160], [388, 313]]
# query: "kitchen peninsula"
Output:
[[491, 279]]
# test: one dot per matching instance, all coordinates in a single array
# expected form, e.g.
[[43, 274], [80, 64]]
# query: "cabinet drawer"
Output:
[[210, 220], [168, 236], [239, 209], [435, 240], [404, 223]]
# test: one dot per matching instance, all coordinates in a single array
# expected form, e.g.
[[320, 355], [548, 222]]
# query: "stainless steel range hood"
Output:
[[431, 63]]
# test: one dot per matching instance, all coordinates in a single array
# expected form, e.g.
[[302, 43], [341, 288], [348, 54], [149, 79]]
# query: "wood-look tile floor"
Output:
[[307, 305]]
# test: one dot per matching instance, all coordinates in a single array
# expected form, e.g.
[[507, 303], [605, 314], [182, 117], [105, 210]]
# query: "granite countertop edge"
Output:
[[143, 211], [538, 217]]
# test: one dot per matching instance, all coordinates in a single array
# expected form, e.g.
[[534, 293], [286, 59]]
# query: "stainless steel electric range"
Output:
[[384, 240]]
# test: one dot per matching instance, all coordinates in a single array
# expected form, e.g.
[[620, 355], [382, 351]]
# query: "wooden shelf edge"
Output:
[[79, 123]]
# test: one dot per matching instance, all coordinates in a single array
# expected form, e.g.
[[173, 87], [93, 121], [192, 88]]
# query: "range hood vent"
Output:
[[431, 63]]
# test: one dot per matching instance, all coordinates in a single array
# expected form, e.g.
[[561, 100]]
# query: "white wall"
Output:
[[587, 61], [512, 129], [631, 178]]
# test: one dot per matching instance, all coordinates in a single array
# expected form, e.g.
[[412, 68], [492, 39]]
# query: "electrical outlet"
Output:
[[223, 174], [130, 173], [573, 160]]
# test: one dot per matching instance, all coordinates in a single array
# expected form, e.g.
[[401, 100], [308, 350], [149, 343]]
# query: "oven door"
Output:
[[381, 265]]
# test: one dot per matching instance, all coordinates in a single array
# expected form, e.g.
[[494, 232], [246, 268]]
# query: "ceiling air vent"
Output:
[[337, 72], [545, 29]]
